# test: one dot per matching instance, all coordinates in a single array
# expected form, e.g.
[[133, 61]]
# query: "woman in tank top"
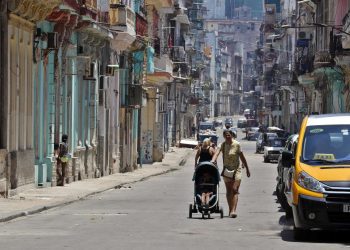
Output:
[[205, 152]]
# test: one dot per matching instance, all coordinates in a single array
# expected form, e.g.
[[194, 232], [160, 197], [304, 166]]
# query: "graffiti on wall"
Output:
[[158, 137], [147, 146]]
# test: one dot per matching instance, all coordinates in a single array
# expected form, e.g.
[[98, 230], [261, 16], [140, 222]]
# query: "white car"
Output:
[[273, 149]]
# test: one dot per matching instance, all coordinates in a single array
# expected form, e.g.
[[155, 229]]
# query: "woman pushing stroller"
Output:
[[205, 153], [232, 170]]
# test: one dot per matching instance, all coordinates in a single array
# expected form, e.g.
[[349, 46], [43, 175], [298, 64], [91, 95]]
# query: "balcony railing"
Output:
[[121, 15], [91, 4], [103, 17], [164, 64], [89, 9], [141, 25], [176, 53]]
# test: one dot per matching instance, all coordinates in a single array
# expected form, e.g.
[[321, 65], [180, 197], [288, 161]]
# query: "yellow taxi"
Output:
[[320, 174]]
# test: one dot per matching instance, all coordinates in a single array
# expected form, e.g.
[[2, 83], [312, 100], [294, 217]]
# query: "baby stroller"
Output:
[[209, 186]]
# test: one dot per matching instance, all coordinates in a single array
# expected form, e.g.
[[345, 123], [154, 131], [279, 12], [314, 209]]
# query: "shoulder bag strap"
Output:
[[223, 153]]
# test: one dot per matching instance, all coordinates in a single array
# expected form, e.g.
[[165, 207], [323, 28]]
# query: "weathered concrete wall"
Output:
[[3, 173], [21, 166], [84, 164], [115, 163], [158, 142]]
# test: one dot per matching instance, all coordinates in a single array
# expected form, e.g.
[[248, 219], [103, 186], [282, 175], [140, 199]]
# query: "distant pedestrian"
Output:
[[193, 130], [232, 170], [62, 158]]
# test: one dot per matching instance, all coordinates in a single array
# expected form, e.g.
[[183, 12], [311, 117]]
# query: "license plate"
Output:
[[346, 208]]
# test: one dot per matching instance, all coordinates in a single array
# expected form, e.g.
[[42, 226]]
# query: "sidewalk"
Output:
[[39, 199]]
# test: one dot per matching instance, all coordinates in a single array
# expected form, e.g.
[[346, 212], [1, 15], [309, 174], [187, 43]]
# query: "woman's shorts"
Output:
[[237, 176]]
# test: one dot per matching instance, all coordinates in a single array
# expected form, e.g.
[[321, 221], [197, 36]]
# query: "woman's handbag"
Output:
[[228, 173]]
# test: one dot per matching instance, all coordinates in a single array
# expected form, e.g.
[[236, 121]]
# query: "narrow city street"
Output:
[[153, 214]]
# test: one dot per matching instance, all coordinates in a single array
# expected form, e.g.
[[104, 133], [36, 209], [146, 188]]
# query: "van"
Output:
[[246, 112], [318, 188]]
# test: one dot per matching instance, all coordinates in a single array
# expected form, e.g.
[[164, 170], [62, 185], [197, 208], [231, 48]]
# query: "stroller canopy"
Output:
[[207, 167]]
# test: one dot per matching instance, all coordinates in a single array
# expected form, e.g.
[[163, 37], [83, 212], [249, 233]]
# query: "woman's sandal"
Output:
[[233, 215]]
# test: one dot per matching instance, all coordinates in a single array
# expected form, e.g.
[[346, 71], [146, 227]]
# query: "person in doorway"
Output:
[[62, 158], [232, 170]]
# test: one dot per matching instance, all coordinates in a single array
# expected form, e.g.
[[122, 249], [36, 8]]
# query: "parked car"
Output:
[[251, 132], [218, 123], [255, 136], [204, 126], [260, 141], [273, 149], [241, 123], [283, 172], [228, 122], [320, 175]]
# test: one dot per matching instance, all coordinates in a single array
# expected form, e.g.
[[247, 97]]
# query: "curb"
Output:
[[36, 210]]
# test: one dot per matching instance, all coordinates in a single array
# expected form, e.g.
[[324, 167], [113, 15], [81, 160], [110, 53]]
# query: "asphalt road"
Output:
[[153, 214]]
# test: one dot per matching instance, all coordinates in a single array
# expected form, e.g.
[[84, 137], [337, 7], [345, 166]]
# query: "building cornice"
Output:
[[33, 10]]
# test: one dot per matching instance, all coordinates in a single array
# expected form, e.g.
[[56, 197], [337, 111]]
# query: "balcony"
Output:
[[160, 3], [141, 25], [122, 21], [163, 71], [89, 9], [178, 54]]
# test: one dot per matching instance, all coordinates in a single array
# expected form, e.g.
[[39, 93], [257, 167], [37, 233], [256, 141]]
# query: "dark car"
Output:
[[260, 143], [228, 122], [251, 132], [255, 136], [204, 126], [282, 175]]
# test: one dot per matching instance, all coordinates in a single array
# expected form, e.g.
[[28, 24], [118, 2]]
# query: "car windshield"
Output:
[[205, 126], [326, 144], [271, 135], [276, 143]]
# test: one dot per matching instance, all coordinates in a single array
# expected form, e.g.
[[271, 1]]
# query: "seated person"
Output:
[[206, 190]]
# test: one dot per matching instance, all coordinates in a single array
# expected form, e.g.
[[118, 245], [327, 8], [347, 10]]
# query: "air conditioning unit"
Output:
[[304, 35]]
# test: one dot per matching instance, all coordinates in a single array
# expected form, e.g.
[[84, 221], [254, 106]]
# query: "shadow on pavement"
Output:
[[314, 236], [336, 237]]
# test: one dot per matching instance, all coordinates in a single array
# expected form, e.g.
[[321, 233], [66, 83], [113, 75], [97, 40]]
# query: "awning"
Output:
[[67, 8], [306, 79], [182, 18]]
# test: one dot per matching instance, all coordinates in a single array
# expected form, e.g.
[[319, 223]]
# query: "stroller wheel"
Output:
[[190, 211], [203, 217], [221, 213]]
